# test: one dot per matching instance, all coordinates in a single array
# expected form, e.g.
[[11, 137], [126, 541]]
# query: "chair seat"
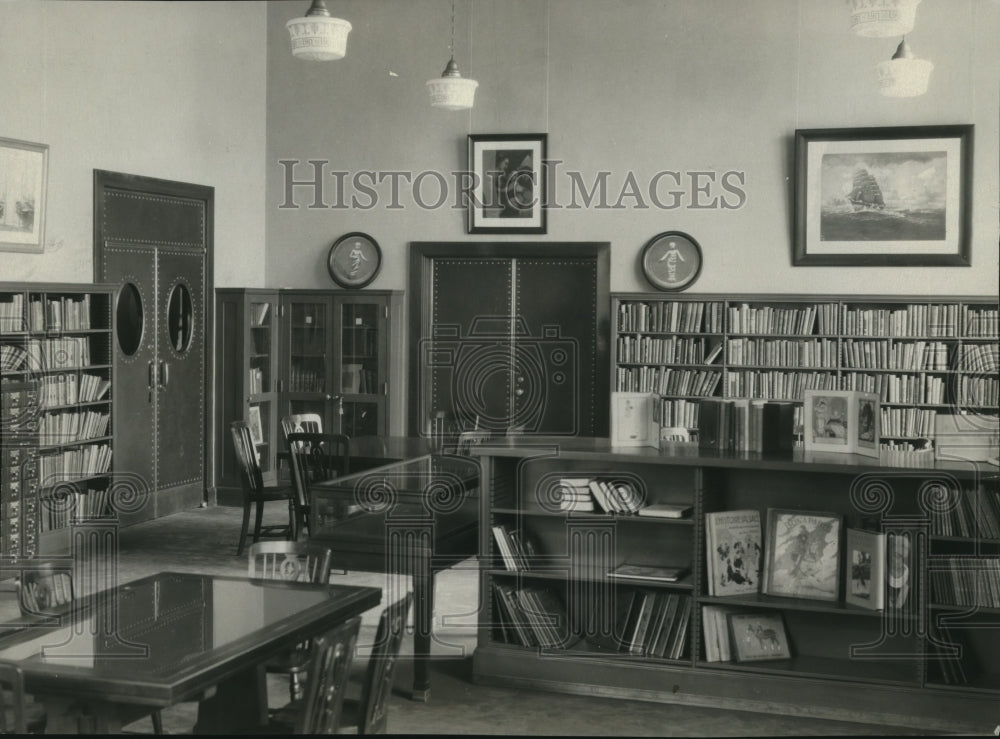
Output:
[[274, 493]]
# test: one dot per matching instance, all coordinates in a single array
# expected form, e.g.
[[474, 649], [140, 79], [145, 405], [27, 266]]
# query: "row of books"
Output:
[[259, 314], [515, 552], [304, 379], [973, 391], [60, 353], [68, 427], [980, 358], [975, 514], [777, 385], [613, 496], [663, 316], [746, 425], [359, 341], [967, 581], [91, 503], [69, 388], [650, 624], [951, 655], [918, 319], [256, 383], [981, 322], [87, 461], [679, 413], [798, 321], [667, 381], [532, 617], [783, 352], [657, 350], [897, 388], [715, 626], [908, 422], [12, 358], [916, 355], [12, 314], [54, 314]]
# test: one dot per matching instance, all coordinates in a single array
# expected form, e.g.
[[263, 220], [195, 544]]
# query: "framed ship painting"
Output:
[[883, 196]]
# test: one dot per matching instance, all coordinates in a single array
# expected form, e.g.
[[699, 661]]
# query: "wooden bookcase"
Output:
[[922, 355], [846, 662], [335, 353], [56, 398]]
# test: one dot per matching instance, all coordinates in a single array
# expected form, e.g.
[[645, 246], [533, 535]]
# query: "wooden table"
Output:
[[415, 517], [172, 637]]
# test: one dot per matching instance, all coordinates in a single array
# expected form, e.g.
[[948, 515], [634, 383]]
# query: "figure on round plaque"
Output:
[[671, 261], [354, 260]]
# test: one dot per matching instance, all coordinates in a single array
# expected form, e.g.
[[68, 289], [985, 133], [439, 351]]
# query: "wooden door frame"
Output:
[[422, 253], [107, 180]]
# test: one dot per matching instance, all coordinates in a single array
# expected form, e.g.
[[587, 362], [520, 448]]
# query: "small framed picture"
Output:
[[757, 636], [254, 422], [354, 260], [24, 169], [508, 193], [802, 554], [865, 567], [844, 421], [671, 261]]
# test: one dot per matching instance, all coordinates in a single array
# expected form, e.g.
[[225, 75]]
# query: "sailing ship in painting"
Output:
[[883, 197]]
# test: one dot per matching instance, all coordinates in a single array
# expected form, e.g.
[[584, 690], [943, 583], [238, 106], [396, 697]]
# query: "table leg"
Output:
[[423, 595], [237, 706]]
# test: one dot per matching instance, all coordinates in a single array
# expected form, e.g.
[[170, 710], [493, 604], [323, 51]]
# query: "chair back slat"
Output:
[[329, 668], [297, 423], [290, 561], [251, 477], [377, 687]]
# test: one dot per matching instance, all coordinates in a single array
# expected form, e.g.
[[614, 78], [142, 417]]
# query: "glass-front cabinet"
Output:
[[335, 358], [246, 379]]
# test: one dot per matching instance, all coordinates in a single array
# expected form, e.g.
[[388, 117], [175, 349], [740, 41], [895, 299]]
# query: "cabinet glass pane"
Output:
[[360, 419], [261, 316], [307, 348], [359, 349]]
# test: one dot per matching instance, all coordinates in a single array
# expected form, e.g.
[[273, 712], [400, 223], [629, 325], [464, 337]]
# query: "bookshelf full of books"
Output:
[[923, 356], [56, 378], [857, 587]]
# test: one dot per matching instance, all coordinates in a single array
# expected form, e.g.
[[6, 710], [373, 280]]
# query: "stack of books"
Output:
[[622, 497]]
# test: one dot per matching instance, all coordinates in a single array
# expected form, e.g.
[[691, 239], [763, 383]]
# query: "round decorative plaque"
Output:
[[354, 260], [671, 260]]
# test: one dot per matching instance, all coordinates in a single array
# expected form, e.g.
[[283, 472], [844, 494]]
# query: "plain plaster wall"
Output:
[[169, 90], [635, 86]]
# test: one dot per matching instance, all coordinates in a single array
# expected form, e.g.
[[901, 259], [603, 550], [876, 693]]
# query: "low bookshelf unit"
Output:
[[745, 595]]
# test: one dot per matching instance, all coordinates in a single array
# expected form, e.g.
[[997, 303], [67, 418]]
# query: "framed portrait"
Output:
[[671, 261], [802, 554], [23, 174], [354, 260], [757, 636], [256, 427], [883, 196], [845, 421], [508, 192]]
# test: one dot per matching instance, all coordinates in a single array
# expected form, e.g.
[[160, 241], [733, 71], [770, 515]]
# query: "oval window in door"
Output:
[[179, 320], [129, 319]]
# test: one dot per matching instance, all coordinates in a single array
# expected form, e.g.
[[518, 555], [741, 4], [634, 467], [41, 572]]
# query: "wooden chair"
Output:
[[315, 457], [255, 494], [298, 423], [319, 710], [370, 714], [18, 715], [293, 562]]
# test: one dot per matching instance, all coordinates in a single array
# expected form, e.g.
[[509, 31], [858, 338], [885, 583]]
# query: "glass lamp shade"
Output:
[[904, 78], [451, 91], [318, 37], [880, 18]]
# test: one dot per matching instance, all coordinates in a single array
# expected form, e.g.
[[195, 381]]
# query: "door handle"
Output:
[[150, 380], [164, 373]]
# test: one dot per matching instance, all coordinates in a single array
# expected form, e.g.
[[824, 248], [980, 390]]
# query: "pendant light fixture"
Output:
[[882, 18], [451, 91], [904, 76], [318, 37]]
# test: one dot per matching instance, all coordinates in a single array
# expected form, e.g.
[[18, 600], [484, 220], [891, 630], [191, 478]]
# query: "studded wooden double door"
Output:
[[155, 244]]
